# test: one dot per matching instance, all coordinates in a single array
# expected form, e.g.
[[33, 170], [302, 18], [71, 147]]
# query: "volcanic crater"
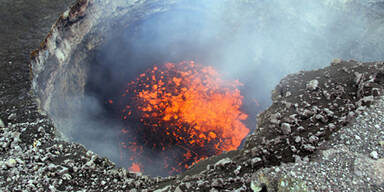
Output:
[[99, 60], [161, 121]]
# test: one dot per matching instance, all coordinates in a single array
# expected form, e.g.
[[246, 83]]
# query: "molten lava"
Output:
[[183, 113], [135, 167]]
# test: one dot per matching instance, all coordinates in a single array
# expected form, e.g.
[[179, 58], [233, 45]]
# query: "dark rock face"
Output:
[[307, 108]]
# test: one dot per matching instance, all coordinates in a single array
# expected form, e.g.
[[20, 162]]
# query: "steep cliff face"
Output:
[[325, 122]]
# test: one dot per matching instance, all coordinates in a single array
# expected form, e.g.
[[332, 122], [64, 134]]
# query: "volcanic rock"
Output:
[[12, 116], [178, 189], [11, 163], [313, 85], [329, 112], [297, 139], [309, 147], [274, 118], [374, 155], [223, 162], [255, 161], [286, 128]]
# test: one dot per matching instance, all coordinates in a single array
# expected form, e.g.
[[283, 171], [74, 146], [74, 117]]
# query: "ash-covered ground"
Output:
[[323, 132]]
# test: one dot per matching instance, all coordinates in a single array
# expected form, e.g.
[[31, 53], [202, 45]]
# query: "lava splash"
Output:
[[178, 114]]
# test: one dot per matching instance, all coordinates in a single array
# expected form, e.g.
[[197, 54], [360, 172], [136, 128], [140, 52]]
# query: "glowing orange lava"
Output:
[[186, 107], [135, 168]]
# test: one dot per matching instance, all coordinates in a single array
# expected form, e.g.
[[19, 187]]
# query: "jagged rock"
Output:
[[256, 187], [297, 139], [313, 139], [223, 162], [328, 112], [256, 161], [309, 147], [11, 163], [365, 101], [40, 129], [293, 148], [217, 183], [376, 92], [307, 113], [286, 128], [358, 77], [178, 189], [332, 126], [288, 93], [66, 177], [2, 125], [326, 95], [274, 118], [260, 182], [313, 85], [321, 118], [300, 128], [374, 155], [237, 170], [12, 116]]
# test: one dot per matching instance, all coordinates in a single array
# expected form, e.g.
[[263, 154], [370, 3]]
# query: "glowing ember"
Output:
[[183, 112], [135, 168]]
